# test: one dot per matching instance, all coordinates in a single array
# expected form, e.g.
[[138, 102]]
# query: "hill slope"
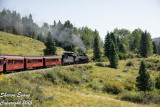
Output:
[[19, 45], [11, 44]]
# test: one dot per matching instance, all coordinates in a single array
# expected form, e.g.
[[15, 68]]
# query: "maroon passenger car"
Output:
[[13, 62], [31, 62], [52, 60], [1, 64]]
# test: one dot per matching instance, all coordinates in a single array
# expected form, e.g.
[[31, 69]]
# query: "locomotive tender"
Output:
[[13, 62]]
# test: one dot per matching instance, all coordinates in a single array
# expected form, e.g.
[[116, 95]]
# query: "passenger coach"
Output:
[[31, 62], [52, 60], [12, 63], [1, 64]]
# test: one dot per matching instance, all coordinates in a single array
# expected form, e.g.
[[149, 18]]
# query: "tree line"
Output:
[[124, 40], [120, 42], [12, 22]]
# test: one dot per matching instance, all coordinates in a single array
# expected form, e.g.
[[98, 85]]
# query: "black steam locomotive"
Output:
[[72, 58]]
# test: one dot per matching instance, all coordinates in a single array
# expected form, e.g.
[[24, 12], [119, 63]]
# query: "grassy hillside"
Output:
[[85, 85], [19, 45], [11, 44]]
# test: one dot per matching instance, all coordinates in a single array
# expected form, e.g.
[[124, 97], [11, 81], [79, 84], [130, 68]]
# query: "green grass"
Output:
[[11, 44]]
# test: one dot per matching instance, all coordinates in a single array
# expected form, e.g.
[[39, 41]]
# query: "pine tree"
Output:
[[144, 82], [157, 85], [97, 52], [159, 48], [113, 56], [50, 45], [121, 48], [114, 41], [146, 48], [155, 50], [53, 48], [107, 45]]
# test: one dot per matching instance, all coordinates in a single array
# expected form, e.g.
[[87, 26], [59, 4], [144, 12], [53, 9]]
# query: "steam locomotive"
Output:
[[12, 62]]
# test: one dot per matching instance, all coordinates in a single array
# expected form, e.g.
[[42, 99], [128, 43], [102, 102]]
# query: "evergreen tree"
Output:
[[144, 82], [159, 48], [107, 45], [113, 56], [50, 45], [157, 85], [114, 41], [121, 48], [146, 48], [155, 50], [41, 38], [97, 53]]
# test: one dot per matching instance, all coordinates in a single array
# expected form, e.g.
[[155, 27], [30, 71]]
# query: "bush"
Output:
[[129, 63], [122, 56], [102, 59], [51, 76], [152, 60], [132, 96], [18, 83], [131, 56], [130, 83], [74, 75], [157, 85], [113, 87], [141, 97], [153, 64], [125, 70], [130, 86], [100, 65]]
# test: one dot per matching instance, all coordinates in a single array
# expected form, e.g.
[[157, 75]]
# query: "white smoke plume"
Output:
[[66, 37]]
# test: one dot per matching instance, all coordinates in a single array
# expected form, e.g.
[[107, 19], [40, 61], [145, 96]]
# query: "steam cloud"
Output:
[[66, 37]]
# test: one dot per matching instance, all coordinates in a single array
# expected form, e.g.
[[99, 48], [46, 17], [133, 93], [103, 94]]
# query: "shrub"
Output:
[[101, 59], [141, 97], [51, 76], [96, 87], [131, 56], [113, 87], [132, 96], [122, 56], [125, 70], [17, 83], [2, 77], [74, 75], [130, 86], [153, 64], [152, 60], [129, 63], [157, 85], [130, 83], [90, 85], [100, 65]]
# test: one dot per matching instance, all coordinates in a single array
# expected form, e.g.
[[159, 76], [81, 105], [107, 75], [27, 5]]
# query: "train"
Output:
[[15, 62]]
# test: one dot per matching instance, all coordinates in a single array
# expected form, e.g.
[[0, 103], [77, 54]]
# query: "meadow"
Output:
[[11, 44], [93, 84]]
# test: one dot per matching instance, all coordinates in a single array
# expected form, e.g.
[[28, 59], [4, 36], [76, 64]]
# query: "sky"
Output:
[[103, 15]]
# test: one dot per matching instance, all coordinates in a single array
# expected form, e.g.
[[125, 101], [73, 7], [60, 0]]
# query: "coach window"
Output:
[[10, 62], [34, 60], [1, 62], [52, 60], [18, 62]]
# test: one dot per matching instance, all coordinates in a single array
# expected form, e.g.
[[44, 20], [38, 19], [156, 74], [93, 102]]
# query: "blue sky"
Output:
[[103, 15]]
